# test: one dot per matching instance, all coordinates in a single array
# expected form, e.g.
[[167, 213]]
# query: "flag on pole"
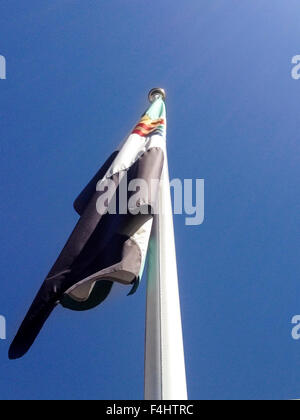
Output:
[[110, 241]]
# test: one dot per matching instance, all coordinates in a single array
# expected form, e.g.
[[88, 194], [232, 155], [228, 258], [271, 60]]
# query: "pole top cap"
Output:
[[156, 92]]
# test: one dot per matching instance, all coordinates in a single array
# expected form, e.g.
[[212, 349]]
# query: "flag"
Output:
[[110, 241]]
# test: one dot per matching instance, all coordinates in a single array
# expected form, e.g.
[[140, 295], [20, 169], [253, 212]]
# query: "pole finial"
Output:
[[155, 93]]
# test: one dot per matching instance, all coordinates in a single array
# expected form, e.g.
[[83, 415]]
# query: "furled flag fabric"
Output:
[[110, 241]]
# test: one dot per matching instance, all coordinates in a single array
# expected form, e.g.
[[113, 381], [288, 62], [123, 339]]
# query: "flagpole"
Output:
[[165, 376]]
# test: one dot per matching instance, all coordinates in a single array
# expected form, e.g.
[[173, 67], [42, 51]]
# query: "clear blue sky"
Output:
[[78, 73]]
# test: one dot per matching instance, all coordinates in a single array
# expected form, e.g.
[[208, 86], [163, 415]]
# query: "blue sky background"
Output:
[[78, 74]]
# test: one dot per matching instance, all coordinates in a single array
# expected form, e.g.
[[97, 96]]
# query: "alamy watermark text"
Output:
[[296, 68], [2, 328], [296, 328], [2, 67], [138, 197]]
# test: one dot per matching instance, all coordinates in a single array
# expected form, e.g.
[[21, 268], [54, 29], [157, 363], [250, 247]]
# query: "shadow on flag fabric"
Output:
[[110, 241]]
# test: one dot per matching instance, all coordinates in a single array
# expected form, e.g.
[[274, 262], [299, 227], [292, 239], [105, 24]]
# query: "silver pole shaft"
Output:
[[165, 376]]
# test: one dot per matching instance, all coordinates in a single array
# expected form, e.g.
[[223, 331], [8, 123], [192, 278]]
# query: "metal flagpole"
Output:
[[165, 377]]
